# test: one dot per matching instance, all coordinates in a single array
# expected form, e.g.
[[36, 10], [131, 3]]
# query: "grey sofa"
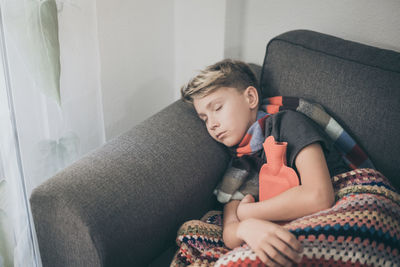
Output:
[[122, 204]]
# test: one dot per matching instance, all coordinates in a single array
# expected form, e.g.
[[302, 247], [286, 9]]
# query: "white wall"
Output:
[[376, 23], [150, 48], [136, 40], [199, 37]]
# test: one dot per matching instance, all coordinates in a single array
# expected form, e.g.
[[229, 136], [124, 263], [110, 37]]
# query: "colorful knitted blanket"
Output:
[[361, 229], [241, 177]]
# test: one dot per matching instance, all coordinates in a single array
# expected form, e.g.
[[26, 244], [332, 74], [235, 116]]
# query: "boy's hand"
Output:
[[273, 244], [247, 199], [244, 206]]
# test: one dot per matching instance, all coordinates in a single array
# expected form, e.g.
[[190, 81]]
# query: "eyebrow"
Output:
[[209, 105]]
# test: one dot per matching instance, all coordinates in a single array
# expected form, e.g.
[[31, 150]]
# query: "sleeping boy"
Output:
[[226, 98]]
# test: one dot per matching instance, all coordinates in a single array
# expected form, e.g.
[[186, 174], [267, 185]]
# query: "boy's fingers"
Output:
[[248, 199], [289, 239], [265, 259], [288, 245], [261, 255], [276, 255], [290, 254]]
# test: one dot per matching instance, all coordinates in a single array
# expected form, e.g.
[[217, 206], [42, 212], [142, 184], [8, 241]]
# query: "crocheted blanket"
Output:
[[241, 179], [361, 229]]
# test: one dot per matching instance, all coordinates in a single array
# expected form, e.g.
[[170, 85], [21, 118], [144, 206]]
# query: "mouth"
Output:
[[220, 135]]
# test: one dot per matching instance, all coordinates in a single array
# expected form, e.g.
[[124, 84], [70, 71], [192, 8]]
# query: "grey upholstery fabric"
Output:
[[358, 84], [122, 205]]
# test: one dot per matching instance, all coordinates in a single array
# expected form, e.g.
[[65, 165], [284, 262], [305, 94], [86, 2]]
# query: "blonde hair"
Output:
[[225, 73]]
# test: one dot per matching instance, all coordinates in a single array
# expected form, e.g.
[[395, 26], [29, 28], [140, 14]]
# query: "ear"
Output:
[[251, 95]]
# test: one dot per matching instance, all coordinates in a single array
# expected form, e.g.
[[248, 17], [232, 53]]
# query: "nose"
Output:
[[213, 123]]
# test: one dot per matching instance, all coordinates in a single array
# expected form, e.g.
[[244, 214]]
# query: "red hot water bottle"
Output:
[[275, 177]]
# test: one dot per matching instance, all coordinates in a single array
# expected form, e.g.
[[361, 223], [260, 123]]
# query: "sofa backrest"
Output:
[[358, 85]]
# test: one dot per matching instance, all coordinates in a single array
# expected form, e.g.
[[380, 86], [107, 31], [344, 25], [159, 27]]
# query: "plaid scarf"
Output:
[[241, 177]]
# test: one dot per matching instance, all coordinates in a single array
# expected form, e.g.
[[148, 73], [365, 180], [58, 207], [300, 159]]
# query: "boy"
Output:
[[225, 97]]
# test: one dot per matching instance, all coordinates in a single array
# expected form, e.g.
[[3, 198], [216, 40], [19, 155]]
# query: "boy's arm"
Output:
[[314, 194], [230, 225], [271, 243]]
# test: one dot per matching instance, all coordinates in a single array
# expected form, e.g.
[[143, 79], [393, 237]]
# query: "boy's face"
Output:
[[228, 113]]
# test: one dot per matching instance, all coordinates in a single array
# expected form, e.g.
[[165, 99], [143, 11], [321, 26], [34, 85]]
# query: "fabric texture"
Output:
[[105, 209], [361, 229], [241, 177]]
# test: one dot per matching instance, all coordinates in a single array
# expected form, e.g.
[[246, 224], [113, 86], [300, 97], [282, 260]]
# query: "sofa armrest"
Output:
[[122, 204]]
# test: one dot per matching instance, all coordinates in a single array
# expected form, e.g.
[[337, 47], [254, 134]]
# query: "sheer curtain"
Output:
[[50, 107]]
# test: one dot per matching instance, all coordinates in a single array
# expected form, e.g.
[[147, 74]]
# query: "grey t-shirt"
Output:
[[300, 131]]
